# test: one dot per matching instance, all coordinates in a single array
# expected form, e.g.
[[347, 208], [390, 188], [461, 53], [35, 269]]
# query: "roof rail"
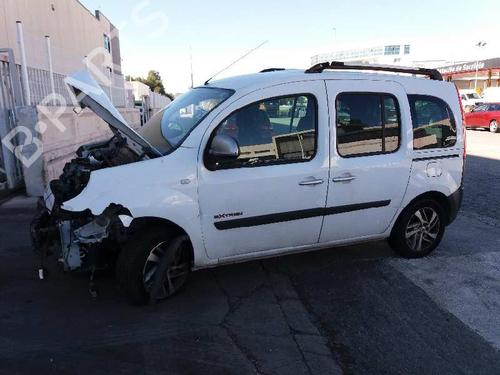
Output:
[[339, 65], [268, 70]]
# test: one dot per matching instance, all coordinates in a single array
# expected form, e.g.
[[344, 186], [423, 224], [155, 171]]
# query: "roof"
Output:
[[250, 82]]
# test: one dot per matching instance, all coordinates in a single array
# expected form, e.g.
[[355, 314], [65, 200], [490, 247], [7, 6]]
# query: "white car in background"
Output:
[[491, 95], [470, 99]]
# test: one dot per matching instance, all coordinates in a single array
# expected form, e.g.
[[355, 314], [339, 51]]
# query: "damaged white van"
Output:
[[255, 166]]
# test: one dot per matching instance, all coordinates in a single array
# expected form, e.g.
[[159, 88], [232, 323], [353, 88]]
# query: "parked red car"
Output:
[[484, 116]]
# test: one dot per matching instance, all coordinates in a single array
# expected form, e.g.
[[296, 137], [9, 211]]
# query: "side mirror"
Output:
[[224, 147]]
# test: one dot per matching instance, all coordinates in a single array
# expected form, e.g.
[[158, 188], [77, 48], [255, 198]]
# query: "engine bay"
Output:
[[91, 157], [83, 241]]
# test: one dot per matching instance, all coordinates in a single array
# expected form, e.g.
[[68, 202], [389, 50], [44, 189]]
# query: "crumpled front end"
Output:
[[83, 241]]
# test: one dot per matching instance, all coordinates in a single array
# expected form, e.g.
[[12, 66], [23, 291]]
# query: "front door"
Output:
[[271, 197], [370, 158]]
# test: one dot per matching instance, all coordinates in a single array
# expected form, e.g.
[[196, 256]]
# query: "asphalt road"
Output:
[[356, 310]]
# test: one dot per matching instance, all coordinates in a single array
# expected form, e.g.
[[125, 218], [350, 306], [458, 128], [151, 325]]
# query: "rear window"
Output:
[[367, 124], [433, 123]]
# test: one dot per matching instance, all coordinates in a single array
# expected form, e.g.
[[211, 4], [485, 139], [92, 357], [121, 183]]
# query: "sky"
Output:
[[162, 35]]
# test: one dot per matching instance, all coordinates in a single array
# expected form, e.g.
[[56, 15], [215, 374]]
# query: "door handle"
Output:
[[311, 182], [344, 178]]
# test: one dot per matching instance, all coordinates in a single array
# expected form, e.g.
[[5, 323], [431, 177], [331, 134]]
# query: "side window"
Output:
[[367, 124], [272, 131], [433, 123], [107, 43]]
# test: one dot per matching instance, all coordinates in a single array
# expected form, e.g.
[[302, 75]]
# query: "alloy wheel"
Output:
[[422, 229], [174, 273], [493, 126]]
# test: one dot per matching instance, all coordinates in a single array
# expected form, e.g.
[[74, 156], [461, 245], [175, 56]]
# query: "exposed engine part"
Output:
[[93, 290], [93, 232], [76, 173], [44, 232], [70, 250], [84, 241], [100, 227]]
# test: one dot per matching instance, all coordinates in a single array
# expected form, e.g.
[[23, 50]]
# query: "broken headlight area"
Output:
[[82, 241], [91, 157]]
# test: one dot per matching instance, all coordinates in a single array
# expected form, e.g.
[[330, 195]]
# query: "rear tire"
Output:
[[153, 265], [494, 126], [419, 229]]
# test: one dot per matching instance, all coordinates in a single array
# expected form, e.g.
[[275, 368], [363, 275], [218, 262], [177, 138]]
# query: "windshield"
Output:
[[168, 128]]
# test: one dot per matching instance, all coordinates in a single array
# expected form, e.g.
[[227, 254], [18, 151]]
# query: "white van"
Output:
[[277, 162], [470, 99], [491, 95]]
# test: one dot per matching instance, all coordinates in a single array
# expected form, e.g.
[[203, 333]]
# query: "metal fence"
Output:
[[40, 88], [158, 101], [43, 56], [120, 95], [10, 168]]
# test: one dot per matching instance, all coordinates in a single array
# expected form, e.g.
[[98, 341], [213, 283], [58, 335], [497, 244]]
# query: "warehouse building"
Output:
[[480, 74]]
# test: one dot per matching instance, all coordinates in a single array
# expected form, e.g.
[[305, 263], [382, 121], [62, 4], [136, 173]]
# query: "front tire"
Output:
[[153, 265], [419, 229], [494, 126]]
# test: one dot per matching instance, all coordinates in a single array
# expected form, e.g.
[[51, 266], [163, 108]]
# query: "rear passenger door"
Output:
[[370, 157]]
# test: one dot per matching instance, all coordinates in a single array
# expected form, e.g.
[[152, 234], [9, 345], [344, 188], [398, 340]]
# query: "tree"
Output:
[[153, 81]]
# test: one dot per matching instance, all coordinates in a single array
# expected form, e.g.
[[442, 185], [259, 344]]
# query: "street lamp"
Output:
[[479, 45]]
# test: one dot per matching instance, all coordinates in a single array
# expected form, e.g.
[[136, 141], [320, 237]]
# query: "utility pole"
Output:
[[51, 69], [480, 44], [191, 62], [24, 67]]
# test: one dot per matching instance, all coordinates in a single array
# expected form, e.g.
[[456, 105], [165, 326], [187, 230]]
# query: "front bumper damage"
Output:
[[82, 241]]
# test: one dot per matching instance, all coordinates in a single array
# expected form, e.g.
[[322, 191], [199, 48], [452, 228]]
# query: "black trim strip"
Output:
[[438, 157], [296, 215]]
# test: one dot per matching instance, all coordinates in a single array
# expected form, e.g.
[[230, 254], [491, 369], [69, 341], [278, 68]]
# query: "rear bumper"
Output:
[[454, 204]]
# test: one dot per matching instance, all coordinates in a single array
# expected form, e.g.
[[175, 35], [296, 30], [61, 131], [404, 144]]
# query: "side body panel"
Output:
[[441, 169], [486, 117], [478, 119], [163, 188]]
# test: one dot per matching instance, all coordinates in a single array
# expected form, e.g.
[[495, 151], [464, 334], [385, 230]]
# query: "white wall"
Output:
[[73, 29], [59, 147]]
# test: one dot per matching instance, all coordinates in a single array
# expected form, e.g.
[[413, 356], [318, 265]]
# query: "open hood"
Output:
[[89, 94]]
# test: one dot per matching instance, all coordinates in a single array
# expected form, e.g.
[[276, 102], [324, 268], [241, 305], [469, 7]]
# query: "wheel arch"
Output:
[[142, 223], [436, 196]]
